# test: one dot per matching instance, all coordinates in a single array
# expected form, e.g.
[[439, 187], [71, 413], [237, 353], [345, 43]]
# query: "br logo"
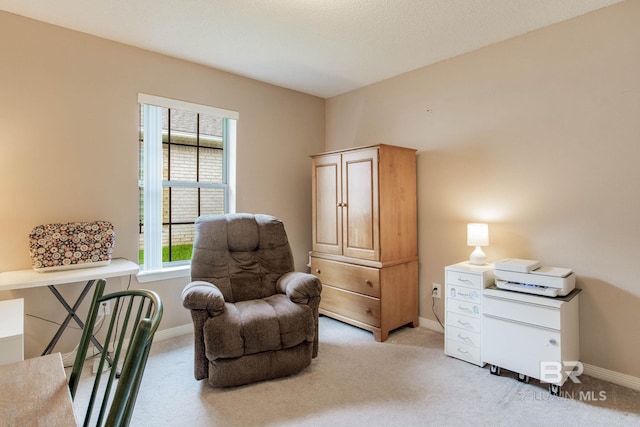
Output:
[[554, 372]]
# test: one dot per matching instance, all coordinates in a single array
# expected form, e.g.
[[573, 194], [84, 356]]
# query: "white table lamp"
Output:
[[478, 236]]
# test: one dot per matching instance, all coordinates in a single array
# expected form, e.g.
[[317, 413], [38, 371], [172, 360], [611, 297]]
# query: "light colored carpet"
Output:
[[405, 381]]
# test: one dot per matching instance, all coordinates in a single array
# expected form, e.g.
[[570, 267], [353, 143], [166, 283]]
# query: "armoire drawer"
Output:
[[355, 278], [355, 306]]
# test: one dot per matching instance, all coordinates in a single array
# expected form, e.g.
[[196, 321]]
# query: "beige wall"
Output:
[[540, 137], [69, 151]]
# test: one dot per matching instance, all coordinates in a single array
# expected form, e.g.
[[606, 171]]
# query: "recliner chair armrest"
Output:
[[299, 287], [200, 295]]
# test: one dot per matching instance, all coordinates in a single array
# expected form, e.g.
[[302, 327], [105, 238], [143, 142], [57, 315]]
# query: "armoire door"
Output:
[[326, 199], [360, 224]]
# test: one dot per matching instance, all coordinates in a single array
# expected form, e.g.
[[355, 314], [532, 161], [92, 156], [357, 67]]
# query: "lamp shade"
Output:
[[477, 234]]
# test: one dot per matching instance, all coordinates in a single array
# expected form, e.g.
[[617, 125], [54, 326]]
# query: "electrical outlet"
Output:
[[435, 292], [105, 308]]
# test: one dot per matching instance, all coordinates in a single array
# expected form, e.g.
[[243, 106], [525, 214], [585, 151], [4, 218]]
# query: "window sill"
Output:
[[164, 274]]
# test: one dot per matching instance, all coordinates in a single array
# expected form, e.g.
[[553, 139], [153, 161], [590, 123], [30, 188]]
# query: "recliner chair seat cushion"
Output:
[[254, 326]]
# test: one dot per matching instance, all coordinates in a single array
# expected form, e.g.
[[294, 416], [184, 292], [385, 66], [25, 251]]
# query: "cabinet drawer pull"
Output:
[[464, 294], [467, 339], [460, 279], [368, 282], [460, 350], [552, 341], [467, 324], [368, 311], [318, 270], [468, 310]]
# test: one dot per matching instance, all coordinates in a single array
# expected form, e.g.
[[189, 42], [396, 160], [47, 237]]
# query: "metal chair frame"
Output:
[[134, 320]]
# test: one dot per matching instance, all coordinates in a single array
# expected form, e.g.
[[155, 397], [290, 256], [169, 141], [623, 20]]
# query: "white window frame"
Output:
[[153, 269]]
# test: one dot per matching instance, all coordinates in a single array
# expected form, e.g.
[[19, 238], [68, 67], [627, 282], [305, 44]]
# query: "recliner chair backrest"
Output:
[[242, 254]]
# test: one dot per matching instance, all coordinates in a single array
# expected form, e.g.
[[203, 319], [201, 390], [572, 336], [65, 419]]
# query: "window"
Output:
[[186, 169]]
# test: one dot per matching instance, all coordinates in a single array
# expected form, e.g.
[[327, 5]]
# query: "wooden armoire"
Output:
[[365, 242]]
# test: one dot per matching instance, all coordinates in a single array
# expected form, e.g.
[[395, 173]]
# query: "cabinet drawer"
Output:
[[460, 321], [463, 307], [352, 305], [463, 351], [534, 314], [519, 347], [355, 278], [463, 336], [464, 279], [464, 294]]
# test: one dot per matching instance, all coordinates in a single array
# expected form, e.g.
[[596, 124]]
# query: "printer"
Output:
[[530, 277]]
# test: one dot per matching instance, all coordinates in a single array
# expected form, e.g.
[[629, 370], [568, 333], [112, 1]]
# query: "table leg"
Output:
[[71, 315]]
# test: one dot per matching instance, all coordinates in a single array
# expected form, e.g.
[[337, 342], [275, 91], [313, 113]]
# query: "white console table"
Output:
[[23, 279]]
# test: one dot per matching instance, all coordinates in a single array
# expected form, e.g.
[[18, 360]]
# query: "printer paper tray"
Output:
[[528, 289]]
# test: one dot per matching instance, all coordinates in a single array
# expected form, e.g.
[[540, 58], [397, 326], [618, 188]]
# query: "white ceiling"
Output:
[[320, 47]]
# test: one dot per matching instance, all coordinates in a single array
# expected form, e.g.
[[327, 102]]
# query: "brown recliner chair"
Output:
[[254, 318]]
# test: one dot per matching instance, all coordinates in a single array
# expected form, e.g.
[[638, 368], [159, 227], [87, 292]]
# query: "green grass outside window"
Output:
[[178, 253]]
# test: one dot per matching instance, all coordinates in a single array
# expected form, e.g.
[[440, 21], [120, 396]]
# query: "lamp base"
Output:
[[478, 257]]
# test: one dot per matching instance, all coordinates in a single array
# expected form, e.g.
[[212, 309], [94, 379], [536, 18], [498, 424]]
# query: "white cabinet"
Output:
[[464, 283], [11, 331], [533, 336]]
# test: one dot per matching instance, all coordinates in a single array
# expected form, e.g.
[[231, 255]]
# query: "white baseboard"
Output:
[[430, 324], [591, 370], [69, 358], [165, 334], [612, 376]]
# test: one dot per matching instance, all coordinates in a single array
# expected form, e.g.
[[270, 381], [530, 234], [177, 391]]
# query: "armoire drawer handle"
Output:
[[368, 311], [368, 282], [318, 270]]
